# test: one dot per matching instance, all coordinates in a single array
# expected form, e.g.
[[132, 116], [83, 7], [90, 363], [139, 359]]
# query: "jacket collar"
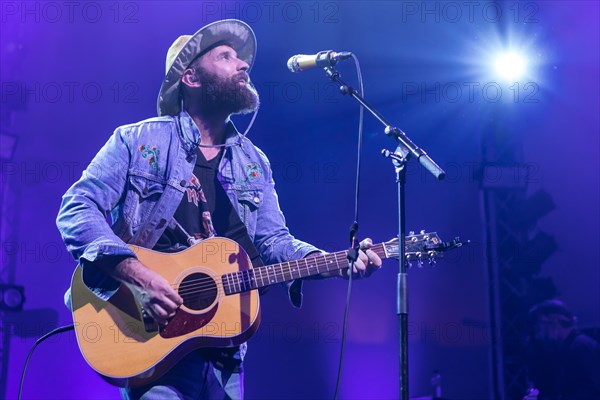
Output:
[[191, 133]]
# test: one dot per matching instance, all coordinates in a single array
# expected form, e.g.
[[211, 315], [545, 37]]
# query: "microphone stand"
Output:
[[400, 157]]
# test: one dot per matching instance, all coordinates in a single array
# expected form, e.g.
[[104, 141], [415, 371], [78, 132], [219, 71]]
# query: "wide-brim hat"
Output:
[[553, 306], [186, 48]]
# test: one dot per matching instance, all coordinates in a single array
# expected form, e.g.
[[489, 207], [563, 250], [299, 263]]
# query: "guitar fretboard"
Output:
[[255, 278]]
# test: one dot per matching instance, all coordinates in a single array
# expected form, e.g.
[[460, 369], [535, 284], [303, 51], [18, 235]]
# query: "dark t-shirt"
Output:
[[206, 211]]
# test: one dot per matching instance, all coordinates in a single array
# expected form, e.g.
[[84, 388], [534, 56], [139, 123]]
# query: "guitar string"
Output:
[[319, 263], [246, 279], [289, 270], [244, 285], [208, 284], [257, 272], [376, 248]]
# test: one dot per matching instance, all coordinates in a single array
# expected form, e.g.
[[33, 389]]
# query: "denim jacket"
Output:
[[139, 178]]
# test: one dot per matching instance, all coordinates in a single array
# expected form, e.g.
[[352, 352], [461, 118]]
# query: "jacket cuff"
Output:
[[295, 292], [294, 287], [97, 281]]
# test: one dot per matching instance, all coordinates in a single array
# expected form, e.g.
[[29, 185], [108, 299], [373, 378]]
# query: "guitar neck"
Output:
[[256, 278]]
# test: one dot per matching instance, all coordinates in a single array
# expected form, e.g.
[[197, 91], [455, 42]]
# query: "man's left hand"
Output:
[[366, 263]]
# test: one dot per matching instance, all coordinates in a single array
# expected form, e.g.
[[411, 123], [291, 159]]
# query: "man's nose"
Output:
[[243, 65]]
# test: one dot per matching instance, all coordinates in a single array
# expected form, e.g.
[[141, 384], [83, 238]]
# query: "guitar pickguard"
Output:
[[183, 323]]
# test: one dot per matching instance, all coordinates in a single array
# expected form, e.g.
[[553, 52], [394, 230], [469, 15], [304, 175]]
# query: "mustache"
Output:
[[241, 76]]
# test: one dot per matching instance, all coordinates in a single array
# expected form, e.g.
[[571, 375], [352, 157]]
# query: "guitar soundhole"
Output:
[[198, 291]]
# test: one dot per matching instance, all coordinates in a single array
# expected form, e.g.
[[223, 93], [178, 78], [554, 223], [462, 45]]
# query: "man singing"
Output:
[[171, 181]]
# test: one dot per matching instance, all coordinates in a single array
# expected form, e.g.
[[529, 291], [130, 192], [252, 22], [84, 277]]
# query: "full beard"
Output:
[[227, 95]]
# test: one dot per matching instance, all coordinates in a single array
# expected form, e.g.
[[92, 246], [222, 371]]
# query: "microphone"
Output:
[[328, 58]]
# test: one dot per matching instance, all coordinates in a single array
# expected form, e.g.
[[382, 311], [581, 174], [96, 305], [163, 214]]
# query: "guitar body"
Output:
[[129, 350]]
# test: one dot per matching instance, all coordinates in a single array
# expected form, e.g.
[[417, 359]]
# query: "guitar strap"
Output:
[[243, 238], [246, 244], [205, 212]]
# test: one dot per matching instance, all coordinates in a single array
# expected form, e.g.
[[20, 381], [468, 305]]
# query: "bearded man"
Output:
[[176, 179]]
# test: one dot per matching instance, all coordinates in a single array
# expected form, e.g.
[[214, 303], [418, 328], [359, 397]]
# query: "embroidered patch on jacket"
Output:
[[151, 153], [253, 171]]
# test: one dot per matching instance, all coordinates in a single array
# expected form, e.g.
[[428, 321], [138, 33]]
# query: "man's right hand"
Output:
[[154, 292]]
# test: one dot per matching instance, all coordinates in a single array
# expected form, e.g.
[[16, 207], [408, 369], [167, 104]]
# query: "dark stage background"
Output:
[[74, 72]]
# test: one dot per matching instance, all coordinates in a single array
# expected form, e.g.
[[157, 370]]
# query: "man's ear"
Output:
[[190, 78]]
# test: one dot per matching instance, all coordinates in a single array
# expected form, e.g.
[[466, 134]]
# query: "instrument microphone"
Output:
[[328, 58]]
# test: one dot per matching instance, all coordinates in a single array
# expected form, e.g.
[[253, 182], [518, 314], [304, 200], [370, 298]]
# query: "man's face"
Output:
[[549, 328], [225, 84]]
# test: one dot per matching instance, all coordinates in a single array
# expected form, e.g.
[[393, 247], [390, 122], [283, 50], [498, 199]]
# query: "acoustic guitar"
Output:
[[220, 307]]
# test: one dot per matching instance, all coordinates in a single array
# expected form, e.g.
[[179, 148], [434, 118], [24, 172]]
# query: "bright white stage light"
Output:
[[510, 66]]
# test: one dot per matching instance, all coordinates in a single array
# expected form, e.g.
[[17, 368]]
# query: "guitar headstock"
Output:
[[424, 246]]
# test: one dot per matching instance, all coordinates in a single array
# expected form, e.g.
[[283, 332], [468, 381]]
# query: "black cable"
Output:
[[40, 340], [339, 376], [353, 229]]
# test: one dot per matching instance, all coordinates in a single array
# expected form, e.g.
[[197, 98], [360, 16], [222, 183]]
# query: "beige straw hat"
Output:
[[186, 48]]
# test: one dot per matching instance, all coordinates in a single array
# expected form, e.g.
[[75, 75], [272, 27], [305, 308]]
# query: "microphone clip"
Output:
[[329, 58]]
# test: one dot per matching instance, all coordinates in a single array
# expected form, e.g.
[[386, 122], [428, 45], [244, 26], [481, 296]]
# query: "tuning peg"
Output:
[[420, 263], [422, 231], [411, 233], [432, 260]]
